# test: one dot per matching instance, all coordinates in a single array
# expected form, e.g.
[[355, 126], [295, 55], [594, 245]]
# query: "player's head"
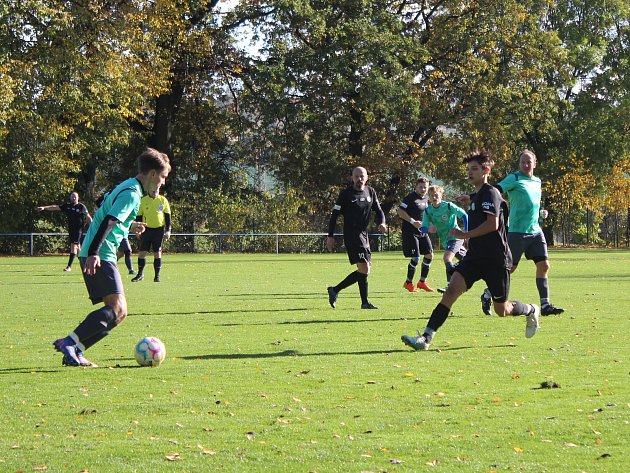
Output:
[[479, 164], [153, 167], [74, 198], [359, 177], [527, 162], [435, 194], [422, 184]]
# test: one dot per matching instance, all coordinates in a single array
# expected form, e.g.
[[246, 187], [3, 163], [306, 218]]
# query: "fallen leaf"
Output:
[[205, 451], [518, 449], [173, 456], [395, 462], [40, 468], [569, 444]]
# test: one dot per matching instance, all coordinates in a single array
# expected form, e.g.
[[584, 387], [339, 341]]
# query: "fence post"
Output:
[[30, 245], [277, 238]]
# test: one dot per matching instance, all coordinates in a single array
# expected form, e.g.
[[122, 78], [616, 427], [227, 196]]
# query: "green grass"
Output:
[[262, 375]]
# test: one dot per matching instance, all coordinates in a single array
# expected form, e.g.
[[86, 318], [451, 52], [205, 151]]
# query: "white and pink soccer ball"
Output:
[[150, 351]]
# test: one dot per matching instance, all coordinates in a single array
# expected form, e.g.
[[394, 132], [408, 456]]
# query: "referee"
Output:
[[155, 212], [355, 203]]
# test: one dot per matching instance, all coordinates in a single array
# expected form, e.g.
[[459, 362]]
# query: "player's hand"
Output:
[[39, 209], [167, 235], [330, 243], [463, 199], [457, 233], [91, 263], [138, 227], [382, 228], [544, 213]]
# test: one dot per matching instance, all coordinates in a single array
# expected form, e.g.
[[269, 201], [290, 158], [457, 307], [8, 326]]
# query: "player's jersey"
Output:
[[152, 210], [356, 207], [122, 203], [444, 219], [77, 215], [524, 195], [492, 245], [415, 206]]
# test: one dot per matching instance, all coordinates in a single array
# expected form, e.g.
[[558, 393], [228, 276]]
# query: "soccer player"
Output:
[[77, 215], [356, 204], [525, 236], [488, 256], [112, 222], [414, 241], [443, 216], [156, 213]]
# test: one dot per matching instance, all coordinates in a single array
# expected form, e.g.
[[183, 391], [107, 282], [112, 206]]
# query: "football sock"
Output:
[[95, 324], [128, 260], [428, 334], [543, 290], [348, 281], [519, 308], [157, 265], [362, 279], [424, 271], [411, 268], [71, 259], [141, 264], [438, 317], [449, 270]]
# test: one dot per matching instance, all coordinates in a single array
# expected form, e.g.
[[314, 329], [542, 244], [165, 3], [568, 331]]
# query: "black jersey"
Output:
[[414, 205], [356, 207], [77, 215], [492, 245]]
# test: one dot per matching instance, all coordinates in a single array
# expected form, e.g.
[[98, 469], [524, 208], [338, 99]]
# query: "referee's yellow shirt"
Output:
[[152, 210]]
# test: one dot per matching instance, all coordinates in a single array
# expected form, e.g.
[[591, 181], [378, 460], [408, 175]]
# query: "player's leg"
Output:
[[363, 270], [498, 281], [426, 250], [75, 238], [145, 246], [456, 287], [125, 250], [157, 253], [536, 250], [410, 250]]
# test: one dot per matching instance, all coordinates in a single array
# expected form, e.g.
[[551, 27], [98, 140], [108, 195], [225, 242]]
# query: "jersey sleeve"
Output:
[[126, 203], [491, 201], [336, 210], [404, 204], [376, 207], [507, 184], [167, 207]]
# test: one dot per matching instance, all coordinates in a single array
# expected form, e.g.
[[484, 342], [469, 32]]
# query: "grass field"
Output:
[[262, 375]]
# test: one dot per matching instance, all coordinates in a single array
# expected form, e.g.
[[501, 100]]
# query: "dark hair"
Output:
[[423, 179], [482, 157], [151, 159]]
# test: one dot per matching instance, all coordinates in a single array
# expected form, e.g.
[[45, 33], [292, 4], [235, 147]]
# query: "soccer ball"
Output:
[[150, 351]]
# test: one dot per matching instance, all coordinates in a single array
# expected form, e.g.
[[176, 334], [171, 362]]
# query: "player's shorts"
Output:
[[457, 247], [416, 244], [74, 235], [151, 239], [358, 248], [493, 272], [534, 246], [106, 281], [124, 246]]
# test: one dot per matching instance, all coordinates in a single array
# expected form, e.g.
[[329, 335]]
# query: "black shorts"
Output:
[[106, 281], [534, 246], [493, 272], [151, 239], [416, 244], [358, 248], [74, 235]]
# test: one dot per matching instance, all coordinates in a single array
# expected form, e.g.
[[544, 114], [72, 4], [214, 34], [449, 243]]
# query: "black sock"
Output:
[[438, 317], [449, 271], [348, 281], [519, 308], [362, 280], [543, 290], [411, 269], [157, 265], [97, 322], [424, 271], [128, 260], [141, 263], [71, 259]]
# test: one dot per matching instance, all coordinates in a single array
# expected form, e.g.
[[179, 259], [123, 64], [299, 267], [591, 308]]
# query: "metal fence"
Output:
[[54, 243]]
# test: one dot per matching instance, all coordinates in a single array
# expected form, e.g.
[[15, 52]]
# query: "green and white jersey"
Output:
[[123, 204], [524, 194], [444, 219]]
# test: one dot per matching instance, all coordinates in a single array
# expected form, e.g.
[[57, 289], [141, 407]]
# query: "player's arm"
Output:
[[167, 225], [380, 215], [462, 215], [330, 240], [47, 207], [402, 213], [93, 259], [490, 225]]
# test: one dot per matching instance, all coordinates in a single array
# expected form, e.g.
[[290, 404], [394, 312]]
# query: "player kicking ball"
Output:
[[488, 257]]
